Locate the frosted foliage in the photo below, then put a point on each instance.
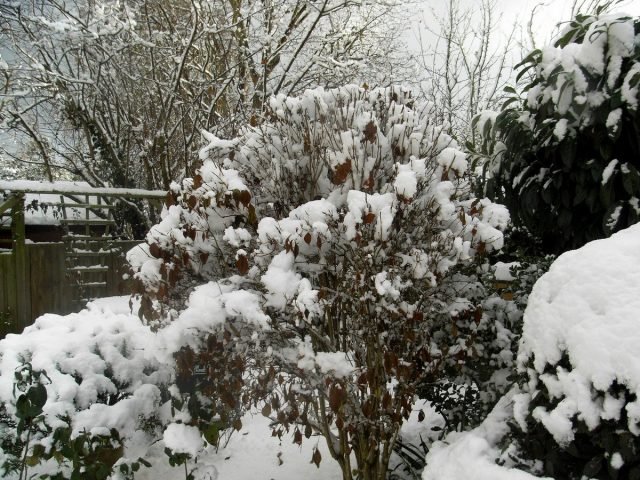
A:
(314, 140)
(609, 41)
(630, 86)
(586, 308)
(349, 155)
(608, 171)
(196, 229)
(101, 368)
(183, 439)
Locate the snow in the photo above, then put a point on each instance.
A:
(210, 306)
(335, 363)
(586, 307)
(616, 461)
(473, 454)
(608, 171)
(215, 143)
(252, 452)
(382, 206)
(560, 130)
(613, 119)
(495, 215)
(406, 183)
(591, 74)
(40, 211)
(78, 349)
(88, 354)
(80, 188)
(42, 195)
(453, 159)
(237, 237)
(281, 280)
(385, 286)
(629, 92)
(503, 271)
(182, 438)
(282, 261)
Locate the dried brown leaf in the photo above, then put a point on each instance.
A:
(370, 132)
(369, 218)
(242, 264)
(316, 458)
(341, 173)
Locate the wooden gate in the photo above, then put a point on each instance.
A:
(38, 278)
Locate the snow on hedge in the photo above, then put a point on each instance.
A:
(584, 311)
(90, 357)
(609, 41)
(586, 307)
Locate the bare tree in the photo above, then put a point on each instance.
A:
(117, 93)
(467, 64)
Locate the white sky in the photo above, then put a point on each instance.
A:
(513, 12)
(549, 14)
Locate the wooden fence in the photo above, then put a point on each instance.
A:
(38, 278)
(45, 287)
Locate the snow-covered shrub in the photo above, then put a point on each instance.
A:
(325, 143)
(76, 392)
(330, 289)
(488, 315)
(567, 157)
(188, 245)
(578, 411)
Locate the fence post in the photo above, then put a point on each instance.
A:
(23, 303)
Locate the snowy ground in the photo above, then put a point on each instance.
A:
(251, 453)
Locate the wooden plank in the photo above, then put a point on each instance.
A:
(91, 285)
(86, 221)
(49, 288)
(23, 313)
(102, 253)
(118, 266)
(90, 269)
(8, 204)
(8, 304)
(86, 238)
(51, 291)
(90, 206)
(3, 284)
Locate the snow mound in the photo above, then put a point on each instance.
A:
(473, 454)
(586, 308)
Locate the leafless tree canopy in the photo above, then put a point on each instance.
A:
(117, 93)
